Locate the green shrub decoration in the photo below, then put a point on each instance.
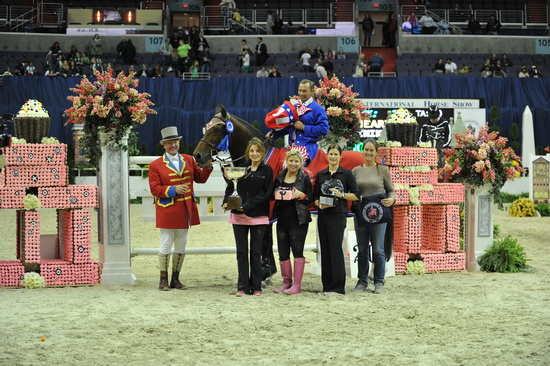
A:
(543, 209)
(496, 230)
(510, 197)
(506, 255)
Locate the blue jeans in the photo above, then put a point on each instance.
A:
(373, 233)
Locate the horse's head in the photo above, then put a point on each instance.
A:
(214, 132)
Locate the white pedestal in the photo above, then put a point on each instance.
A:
(478, 223)
(114, 215)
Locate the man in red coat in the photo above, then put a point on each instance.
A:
(171, 180)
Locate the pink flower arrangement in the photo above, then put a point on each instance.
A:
(481, 160)
(344, 111)
(109, 103)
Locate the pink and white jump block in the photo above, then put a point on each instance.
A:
(430, 230)
(69, 261)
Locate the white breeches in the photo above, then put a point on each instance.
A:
(177, 237)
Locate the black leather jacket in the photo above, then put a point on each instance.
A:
(302, 184)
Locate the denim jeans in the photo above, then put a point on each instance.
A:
(373, 233)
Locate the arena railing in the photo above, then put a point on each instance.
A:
(188, 76)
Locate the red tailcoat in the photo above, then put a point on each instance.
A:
(175, 211)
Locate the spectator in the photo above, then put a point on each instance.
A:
(473, 25)
(72, 53)
(20, 68)
(506, 63)
(498, 72)
(194, 69)
(319, 69)
(341, 55)
(205, 59)
(65, 70)
(129, 53)
(47, 63)
(7, 71)
(237, 17)
(229, 3)
(200, 43)
(269, 22)
(58, 64)
(262, 73)
(131, 70)
(450, 66)
(194, 34)
(143, 72)
(158, 72)
(76, 70)
(246, 61)
(329, 67)
(428, 24)
(413, 20)
(96, 49)
(121, 46)
(96, 65)
(30, 69)
(439, 66)
(368, 30)
(493, 59)
(487, 63)
(392, 29)
(287, 28)
(166, 51)
(277, 24)
(330, 55)
(274, 73)
(360, 66)
(535, 73)
(376, 63)
(261, 52)
(523, 72)
(305, 58)
(183, 54)
(318, 53)
(302, 51)
(493, 26)
(55, 50)
(78, 60)
(50, 72)
(487, 72)
(85, 58)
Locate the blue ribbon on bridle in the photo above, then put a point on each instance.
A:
(224, 144)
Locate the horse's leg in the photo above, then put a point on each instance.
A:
(269, 268)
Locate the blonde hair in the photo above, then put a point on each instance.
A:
(254, 142)
(310, 83)
(294, 153)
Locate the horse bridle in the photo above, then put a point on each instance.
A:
(220, 121)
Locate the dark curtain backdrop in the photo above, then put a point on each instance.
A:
(190, 104)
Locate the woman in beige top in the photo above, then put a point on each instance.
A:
(372, 179)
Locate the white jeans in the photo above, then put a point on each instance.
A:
(177, 237)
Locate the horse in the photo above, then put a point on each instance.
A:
(227, 131)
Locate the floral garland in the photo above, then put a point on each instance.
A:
(416, 267)
(31, 202)
(33, 280)
(49, 140)
(111, 104)
(344, 111)
(480, 160)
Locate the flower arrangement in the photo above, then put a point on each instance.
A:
(481, 160)
(522, 207)
(416, 267)
(110, 104)
(344, 111)
(33, 280)
(31, 202)
(49, 140)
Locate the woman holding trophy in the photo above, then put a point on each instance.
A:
(248, 201)
(293, 193)
(334, 186)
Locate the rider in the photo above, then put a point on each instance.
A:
(312, 123)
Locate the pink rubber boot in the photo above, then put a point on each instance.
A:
(286, 272)
(299, 264)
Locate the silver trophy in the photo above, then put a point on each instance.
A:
(235, 174)
(327, 194)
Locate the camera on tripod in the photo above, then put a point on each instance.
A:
(5, 138)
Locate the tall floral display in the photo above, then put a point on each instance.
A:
(109, 104)
(480, 160)
(344, 111)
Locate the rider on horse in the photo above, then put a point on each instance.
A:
(312, 122)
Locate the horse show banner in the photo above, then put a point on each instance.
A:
(471, 111)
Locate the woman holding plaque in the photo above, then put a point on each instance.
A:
(293, 193)
(255, 189)
(374, 182)
(334, 186)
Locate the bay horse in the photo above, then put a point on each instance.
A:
(218, 133)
